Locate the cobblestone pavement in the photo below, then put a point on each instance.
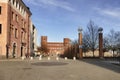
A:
(17, 69)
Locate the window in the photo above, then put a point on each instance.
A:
(21, 36)
(16, 17)
(11, 30)
(0, 28)
(16, 33)
(25, 36)
(0, 10)
(23, 23)
(13, 17)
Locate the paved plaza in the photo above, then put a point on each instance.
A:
(86, 69)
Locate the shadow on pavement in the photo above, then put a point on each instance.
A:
(49, 64)
(103, 64)
(1, 75)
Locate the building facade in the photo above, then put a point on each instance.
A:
(33, 39)
(55, 47)
(14, 28)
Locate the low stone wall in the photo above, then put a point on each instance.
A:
(96, 54)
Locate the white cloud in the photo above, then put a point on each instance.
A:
(110, 12)
(53, 3)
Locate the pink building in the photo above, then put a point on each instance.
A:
(55, 47)
(14, 28)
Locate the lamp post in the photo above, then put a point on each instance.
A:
(80, 42)
(100, 42)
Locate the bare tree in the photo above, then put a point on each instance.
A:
(91, 36)
(118, 39)
(114, 40)
(43, 49)
(85, 46)
(72, 50)
(105, 44)
(75, 46)
(118, 44)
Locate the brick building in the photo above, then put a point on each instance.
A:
(55, 47)
(14, 28)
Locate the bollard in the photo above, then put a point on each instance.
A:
(57, 58)
(31, 58)
(23, 57)
(65, 58)
(74, 58)
(40, 58)
(48, 58)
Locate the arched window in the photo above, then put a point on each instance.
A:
(14, 50)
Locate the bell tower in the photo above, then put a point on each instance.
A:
(44, 40)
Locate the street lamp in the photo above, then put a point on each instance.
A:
(100, 42)
(80, 42)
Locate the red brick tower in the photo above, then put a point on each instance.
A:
(43, 40)
(66, 43)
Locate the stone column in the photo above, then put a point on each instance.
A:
(100, 42)
(80, 43)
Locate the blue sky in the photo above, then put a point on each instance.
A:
(58, 19)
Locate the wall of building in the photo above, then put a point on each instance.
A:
(33, 39)
(55, 47)
(3, 22)
(15, 19)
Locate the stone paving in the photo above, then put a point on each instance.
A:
(87, 69)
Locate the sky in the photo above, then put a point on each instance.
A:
(60, 19)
